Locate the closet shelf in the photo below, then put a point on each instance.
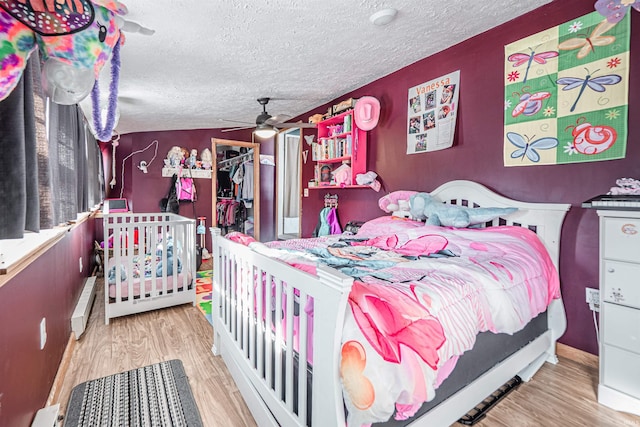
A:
(228, 163)
(193, 173)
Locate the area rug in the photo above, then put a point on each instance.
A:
(155, 395)
(204, 282)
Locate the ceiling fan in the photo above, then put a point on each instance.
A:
(267, 125)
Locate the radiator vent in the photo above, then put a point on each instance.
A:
(83, 309)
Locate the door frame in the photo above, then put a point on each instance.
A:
(281, 139)
(256, 180)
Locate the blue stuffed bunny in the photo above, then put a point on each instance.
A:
(437, 213)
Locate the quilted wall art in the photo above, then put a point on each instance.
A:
(566, 93)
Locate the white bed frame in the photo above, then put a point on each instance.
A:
(153, 231)
(240, 337)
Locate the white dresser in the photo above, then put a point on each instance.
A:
(619, 386)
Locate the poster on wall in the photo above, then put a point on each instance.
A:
(566, 93)
(431, 114)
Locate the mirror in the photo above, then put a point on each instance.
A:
(289, 183)
(245, 209)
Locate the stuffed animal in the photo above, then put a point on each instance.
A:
(342, 175)
(75, 40)
(369, 179)
(626, 186)
(390, 202)
(206, 159)
(175, 157)
(437, 213)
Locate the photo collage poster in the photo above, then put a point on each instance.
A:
(431, 114)
(566, 93)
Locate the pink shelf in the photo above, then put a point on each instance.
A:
(335, 159)
(336, 187)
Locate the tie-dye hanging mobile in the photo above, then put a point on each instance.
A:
(566, 93)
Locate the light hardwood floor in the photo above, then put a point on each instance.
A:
(559, 395)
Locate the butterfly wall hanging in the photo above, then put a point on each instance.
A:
(576, 94)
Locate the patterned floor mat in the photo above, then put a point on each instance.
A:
(204, 284)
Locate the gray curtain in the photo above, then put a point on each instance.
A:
(48, 175)
(291, 208)
(18, 161)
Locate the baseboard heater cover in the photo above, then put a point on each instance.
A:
(83, 308)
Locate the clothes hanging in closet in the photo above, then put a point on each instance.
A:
(243, 177)
(231, 215)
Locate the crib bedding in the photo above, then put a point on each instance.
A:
(148, 283)
(421, 295)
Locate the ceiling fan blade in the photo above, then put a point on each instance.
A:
(278, 118)
(294, 125)
(234, 129)
(236, 121)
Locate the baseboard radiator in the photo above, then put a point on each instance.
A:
(83, 308)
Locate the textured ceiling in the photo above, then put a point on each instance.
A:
(209, 60)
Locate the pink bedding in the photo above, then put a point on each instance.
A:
(420, 296)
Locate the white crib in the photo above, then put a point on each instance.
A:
(142, 252)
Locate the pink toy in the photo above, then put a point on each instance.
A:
(626, 186)
(391, 202)
(75, 40)
(342, 175)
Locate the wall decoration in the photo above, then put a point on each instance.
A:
(431, 114)
(614, 10)
(566, 93)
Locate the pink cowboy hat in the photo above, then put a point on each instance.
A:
(367, 112)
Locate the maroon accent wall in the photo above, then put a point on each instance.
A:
(477, 152)
(49, 288)
(144, 191)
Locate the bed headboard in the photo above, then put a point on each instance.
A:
(545, 219)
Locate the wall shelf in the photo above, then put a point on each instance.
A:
(339, 141)
(336, 187)
(193, 173)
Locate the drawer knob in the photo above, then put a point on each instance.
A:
(611, 270)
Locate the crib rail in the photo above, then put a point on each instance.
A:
(269, 323)
(150, 262)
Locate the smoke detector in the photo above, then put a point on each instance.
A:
(383, 17)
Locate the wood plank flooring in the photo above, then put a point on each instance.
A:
(559, 395)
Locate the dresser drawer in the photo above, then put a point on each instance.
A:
(621, 283)
(622, 239)
(621, 327)
(620, 370)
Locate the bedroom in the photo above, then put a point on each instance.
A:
(476, 155)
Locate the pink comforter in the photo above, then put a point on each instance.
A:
(411, 315)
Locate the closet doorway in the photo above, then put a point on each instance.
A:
(236, 208)
(289, 179)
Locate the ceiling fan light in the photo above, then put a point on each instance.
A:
(264, 131)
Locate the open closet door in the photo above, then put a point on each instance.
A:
(235, 188)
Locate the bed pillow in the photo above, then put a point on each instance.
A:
(387, 225)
